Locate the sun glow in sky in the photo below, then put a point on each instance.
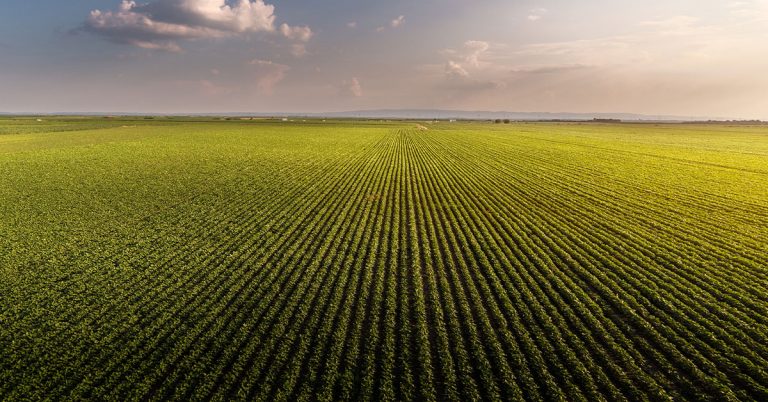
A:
(695, 58)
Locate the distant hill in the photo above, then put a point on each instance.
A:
(492, 115)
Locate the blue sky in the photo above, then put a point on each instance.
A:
(702, 58)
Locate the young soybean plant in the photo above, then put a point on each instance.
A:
(177, 259)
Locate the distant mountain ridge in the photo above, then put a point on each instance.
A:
(492, 115)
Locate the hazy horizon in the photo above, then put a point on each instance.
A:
(690, 58)
(388, 113)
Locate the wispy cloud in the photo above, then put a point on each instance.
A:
(454, 69)
(467, 57)
(537, 14)
(397, 22)
(549, 69)
(351, 88)
(677, 40)
(475, 48)
(211, 88)
(300, 35)
(464, 72)
(755, 10)
(268, 74)
(297, 33)
(393, 24)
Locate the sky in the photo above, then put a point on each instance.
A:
(705, 58)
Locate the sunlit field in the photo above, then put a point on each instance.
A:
(193, 258)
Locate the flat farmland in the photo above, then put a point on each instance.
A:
(197, 259)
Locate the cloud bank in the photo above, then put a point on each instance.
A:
(160, 24)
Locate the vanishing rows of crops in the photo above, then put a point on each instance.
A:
(384, 262)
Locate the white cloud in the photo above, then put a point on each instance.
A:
(297, 33)
(268, 74)
(134, 28)
(160, 23)
(469, 56)
(537, 14)
(232, 16)
(453, 69)
(352, 88)
(352, 24)
(298, 49)
(467, 75)
(394, 24)
(475, 49)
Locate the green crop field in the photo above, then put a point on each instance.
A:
(196, 259)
